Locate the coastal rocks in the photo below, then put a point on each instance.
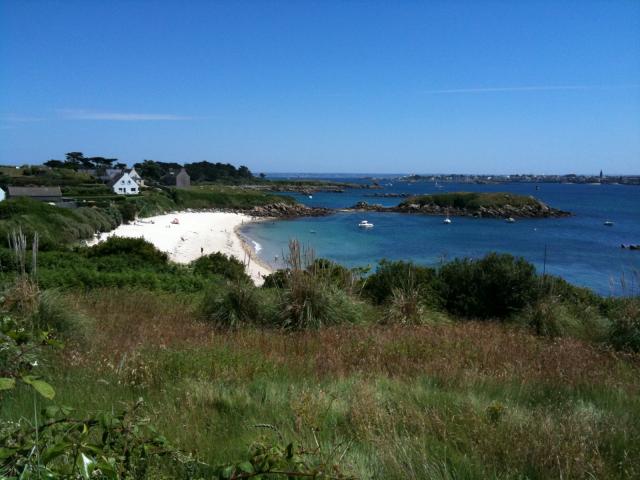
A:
(389, 195)
(287, 210)
(536, 210)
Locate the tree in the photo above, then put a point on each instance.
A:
(74, 159)
(55, 164)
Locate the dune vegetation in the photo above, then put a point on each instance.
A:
(146, 369)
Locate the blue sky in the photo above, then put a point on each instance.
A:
(478, 86)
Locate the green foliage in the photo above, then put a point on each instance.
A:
(472, 200)
(135, 250)
(128, 211)
(217, 172)
(107, 446)
(56, 226)
(290, 462)
(221, 197)
(335, 274)
(21, 347)
(391, 275)
(221, 264)
(625, 325)
(308, 301)
(53, 313)
(240, 304)
(555, 317)
(495, 286)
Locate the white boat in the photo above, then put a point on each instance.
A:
(608, 223)
(365, 224)
(447, 221)
(310, 196)
(510, 220)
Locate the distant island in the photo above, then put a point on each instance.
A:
(518, 178)
(471, 204)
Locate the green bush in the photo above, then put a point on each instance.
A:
(132, 248)
(277, 279)
(308, 301)
(128, 210)
(391, 275)
(495, 286)
(240, 304)
(220, 264)
(56, 226)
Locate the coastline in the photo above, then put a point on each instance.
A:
(196, 234)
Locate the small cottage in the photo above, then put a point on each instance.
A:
(44, 194)
(123, 184)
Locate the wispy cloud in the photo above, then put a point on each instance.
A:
(120, 116)
(528, 88)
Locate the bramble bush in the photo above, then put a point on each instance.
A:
(495, 286)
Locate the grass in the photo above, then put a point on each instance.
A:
(56, 226)
(453, 400)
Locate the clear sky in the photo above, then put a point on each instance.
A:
(345, 86)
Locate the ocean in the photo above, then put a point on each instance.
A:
(580, 248)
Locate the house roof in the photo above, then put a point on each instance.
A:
(115, 179)
(34, 191)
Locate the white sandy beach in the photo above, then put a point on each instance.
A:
(196, 234)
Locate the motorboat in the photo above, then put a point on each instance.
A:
(447, 221)
(608, 223)
(510, 220)
(365, 224)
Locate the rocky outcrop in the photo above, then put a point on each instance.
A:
(535, 210)
(388, 195)
(287, 210)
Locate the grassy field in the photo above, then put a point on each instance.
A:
(442, 401)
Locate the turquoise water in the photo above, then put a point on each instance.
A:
(579, 248)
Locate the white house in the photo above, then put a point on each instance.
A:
(135, 176)
(123, 184)
(2, 195)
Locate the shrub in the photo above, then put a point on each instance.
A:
(405, 306)
(497, 286)
(221, 264)
(133, 248)
(240, 305)
(625, 327)
(277, 279)
(128, 210)
(391, 275)
(553, 317)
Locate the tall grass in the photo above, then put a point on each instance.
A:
(470, 400)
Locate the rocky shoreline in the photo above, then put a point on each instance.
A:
(539, 210)
(287, 210)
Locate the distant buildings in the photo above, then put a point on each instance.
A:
(2, 195)
(44, 194)
(180, 180)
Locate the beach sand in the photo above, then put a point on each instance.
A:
(196, 234)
